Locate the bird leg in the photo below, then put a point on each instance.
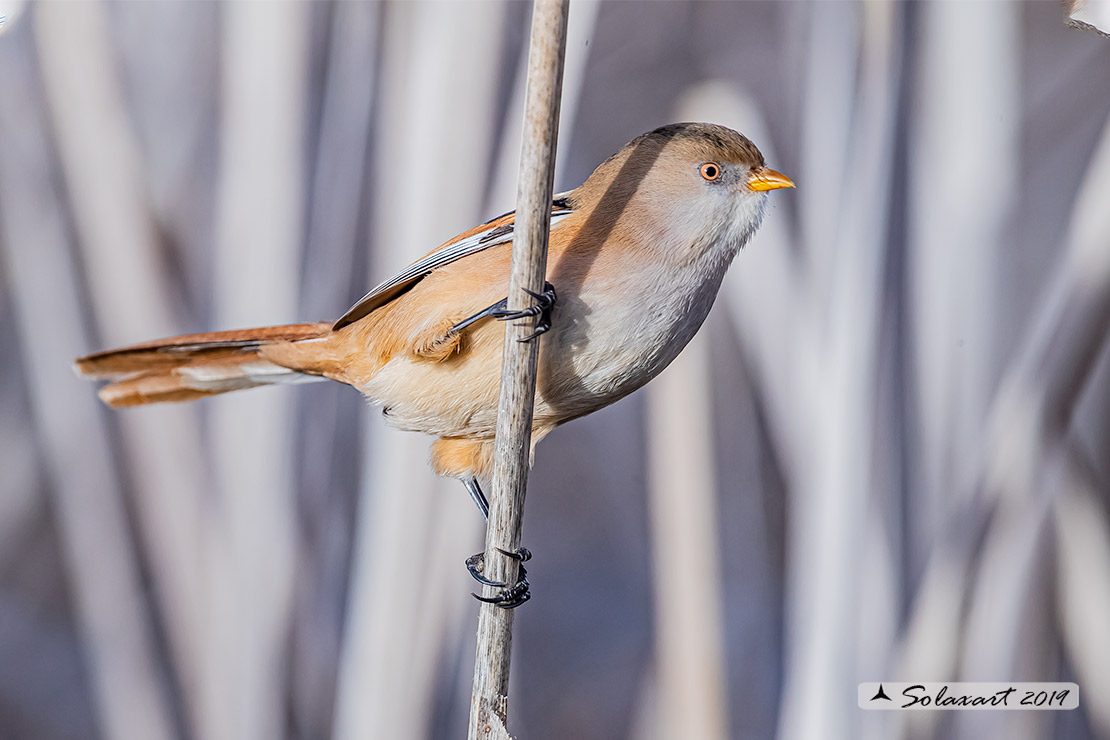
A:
(545, 302)
(477, 496)
(509, 597)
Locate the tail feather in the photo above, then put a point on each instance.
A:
(158, 386)
(180, 350)
(193, 366)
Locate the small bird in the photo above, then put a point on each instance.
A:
(635, 259)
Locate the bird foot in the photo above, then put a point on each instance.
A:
(509, 597)
(545, 302)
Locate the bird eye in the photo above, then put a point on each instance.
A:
(710, 171)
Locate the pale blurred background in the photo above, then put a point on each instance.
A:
(885, 457)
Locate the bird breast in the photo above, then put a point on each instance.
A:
(621, 330)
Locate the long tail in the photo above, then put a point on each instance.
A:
(194, 366)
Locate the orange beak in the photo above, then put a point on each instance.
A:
(765, 178)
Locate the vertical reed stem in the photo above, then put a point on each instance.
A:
(519, 361)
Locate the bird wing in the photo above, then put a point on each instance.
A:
(490, 234)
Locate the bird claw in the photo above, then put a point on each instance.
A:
(545, 302)
(522, 554)
(509, 597)
(476, 564)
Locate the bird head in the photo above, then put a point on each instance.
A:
(683, 188)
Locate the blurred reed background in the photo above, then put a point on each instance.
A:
(886, 456)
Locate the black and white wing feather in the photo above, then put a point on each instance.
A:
(495, 232)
